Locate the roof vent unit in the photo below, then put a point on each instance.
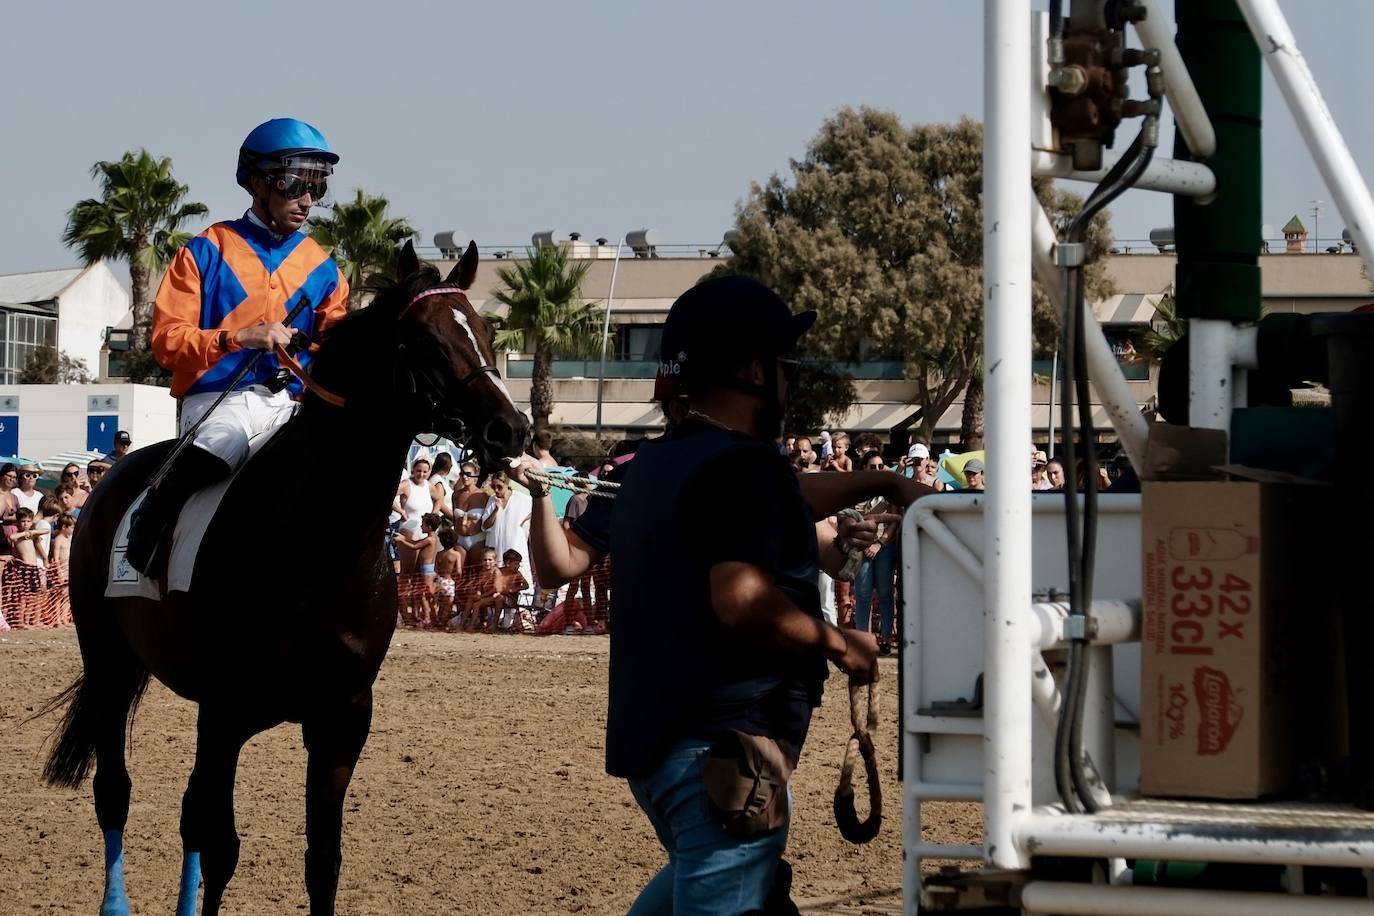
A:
(546, 237)
(1163, 239)
(643, 242)
(451, 243)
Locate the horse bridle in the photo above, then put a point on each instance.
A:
(446, 421)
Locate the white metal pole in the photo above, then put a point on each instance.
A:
(1156, 31)
(1210, 397)
(1054, 389)
(1318, 128)
(1007, 362)
(1111, 386)
(1171, 176)
(605, 336)
(1067, 899)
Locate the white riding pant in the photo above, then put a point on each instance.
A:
(243, 415)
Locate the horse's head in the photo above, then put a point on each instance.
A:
(433, 362)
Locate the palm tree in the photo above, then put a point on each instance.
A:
(363, 240)
(546, 317)
(136, 220)
(1166, 330)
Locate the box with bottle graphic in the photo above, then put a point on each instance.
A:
(1234, 637)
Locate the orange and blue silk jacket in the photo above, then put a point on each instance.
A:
(234, 275)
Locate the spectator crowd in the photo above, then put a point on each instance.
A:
(459, 538)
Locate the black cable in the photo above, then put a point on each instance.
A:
(1071, 777)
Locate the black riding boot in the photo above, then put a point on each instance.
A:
(194, 469)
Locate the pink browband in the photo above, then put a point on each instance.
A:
(436, 291)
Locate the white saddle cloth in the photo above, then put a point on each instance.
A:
(126, 582)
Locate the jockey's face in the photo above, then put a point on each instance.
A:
(284, 214)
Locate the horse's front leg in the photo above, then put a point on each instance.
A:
(334, 737)
(210, 842)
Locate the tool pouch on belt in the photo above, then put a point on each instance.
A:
(746, 783)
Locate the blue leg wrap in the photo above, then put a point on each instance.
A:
(115, 902)
(190, 884)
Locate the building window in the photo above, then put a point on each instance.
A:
(638, 342)
(20, 336)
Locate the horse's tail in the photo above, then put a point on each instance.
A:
(88, 704)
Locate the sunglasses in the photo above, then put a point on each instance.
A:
(94, 472)
(290, 185)
(466, 474)
(30, 474)
(791, 368)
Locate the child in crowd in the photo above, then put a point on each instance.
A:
(510, 582)
(481, 593)
(448, 567)
(45, 520)
(23, 582)
(57, 565)
(417, 570)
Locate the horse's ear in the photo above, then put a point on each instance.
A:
(408, 263)
(465, 271)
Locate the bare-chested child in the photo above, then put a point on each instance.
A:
(510, 582)
(481, 592)
(23, 579)
(417, 570)
(448, 567)
(58, 552)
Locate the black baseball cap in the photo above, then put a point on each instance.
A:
(720, 322)
(123, 438)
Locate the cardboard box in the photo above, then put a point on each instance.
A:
(1229, 644)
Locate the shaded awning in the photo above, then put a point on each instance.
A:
(883, 417)
(1127, 308)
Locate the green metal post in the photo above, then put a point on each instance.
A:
(1218, 243)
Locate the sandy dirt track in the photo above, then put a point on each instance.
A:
(481, 790)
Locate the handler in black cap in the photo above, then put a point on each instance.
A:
(718, 646)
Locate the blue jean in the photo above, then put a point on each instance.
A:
(709, 872)
(876, 573)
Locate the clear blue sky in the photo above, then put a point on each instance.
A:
(501, 119)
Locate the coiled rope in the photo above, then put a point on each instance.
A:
(863, 714)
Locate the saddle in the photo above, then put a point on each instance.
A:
(192, 522)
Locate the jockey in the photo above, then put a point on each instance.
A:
(224, 296)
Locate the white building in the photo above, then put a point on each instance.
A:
(70, 309)
(39, 421)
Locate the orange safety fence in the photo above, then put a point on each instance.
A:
(478, 600)
(33, 597)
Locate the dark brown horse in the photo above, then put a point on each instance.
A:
(298, 542)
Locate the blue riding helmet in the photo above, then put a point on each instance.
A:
(275, 143)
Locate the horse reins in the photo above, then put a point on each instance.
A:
(329, 397)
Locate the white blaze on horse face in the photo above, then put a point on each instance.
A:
(462, 320)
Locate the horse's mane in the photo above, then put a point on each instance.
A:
(389, 296)
(357, 340)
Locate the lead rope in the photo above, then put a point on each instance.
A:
(589, 486)
(863, 714)
(861, 740)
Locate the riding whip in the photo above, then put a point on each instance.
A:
(190, 434)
